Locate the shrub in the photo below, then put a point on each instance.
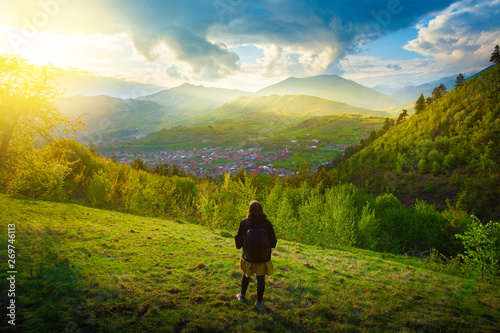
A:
(368, 229)
(40, 174)
(340, 215)
(100, 190)
(482, 251)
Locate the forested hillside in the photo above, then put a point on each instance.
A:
(449, 148)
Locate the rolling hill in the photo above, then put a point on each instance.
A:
(333, 126)
(451, 147)
(255, 132)
(224, 133)
(281, 110)
(190, 101)
(112, 119)
(331, 87)
(252, 122)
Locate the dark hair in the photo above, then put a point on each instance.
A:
(255, 208)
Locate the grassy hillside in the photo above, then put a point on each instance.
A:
(264, 132)
(88, 270)
(334, 126)
(331, 87)
(224, 133)
(450, 147)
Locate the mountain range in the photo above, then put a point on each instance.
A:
(411, 93)
(110, 119)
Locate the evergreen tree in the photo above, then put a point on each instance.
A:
(428, 101)
(460, 80)
(139, 164)
(402, 117)
(436, 94)
(420, 104)
(162, 169)
(442, 89)
(439, 92)
(495, 56)
(388, 124)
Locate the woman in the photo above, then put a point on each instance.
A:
(254, 226)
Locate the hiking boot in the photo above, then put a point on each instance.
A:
(241, 297)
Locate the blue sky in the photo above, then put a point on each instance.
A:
(251, 44)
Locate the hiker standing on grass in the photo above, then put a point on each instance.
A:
(256, 236)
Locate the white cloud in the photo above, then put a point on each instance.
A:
(274, 62)
(462, 37)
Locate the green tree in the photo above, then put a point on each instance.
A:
(481, 250)
(439, 92)
(28, 114)
(139, 164)
(495, 56)
(162, 169)
(460, 80)
(388, 124)
(420, 104)
(402, 117)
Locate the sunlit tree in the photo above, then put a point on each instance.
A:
(29, 117)
(420, 104)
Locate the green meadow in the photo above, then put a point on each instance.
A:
(81, 269)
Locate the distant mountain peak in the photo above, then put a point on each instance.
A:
(332, 87)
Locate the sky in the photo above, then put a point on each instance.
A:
(249, 45)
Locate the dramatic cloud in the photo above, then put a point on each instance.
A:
(461, 37)
(299, 36)
(307, 36)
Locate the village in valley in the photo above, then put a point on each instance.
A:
(216, 161)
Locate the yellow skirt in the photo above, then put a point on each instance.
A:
(265, 268)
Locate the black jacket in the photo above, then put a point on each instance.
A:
(259, 220)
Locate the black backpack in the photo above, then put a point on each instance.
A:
(256, 248)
